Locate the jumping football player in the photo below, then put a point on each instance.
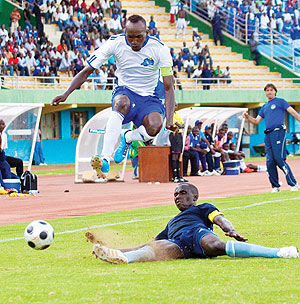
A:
(140, 59)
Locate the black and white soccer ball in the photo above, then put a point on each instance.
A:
(39, 235)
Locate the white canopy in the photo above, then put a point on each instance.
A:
(90, 140)
(22, 122)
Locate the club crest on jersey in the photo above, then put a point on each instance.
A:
(147, 62)
(273, 107)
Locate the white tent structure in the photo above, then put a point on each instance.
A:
(90, 140)
(22, 123)
(90, 143)
(216, 116)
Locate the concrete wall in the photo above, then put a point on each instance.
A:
(63, 150)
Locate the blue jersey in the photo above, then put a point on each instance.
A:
(195, 140)
(274, 112)
(188, 220)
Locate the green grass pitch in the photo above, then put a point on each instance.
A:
(67, 272)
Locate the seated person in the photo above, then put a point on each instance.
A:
(199, 148)
(188, 156)
(225, 155)
(12, 161)
(210, 155)
(229, 137)
(4, 167)
(220, 139)
(239, 155)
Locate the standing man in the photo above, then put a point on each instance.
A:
(139, 60)
(181, 21)
(273, 112)
(216, 23)
(175, 138)
(254, 50)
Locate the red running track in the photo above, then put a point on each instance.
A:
(83, 199)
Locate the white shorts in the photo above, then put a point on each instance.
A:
(181, 23)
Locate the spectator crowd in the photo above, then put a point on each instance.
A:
(26, 52)
(246, 17)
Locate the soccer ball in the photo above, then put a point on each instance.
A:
(39, 235)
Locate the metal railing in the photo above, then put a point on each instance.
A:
(30, 82)
(52, 82)
(277, 45)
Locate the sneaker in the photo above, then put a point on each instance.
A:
(113, 256)
(101, 166)
(275, 189)
(122, 149)
(294, 188)
(176, 180)
(183, 180)
(214, 172)
(288, 252)
(248, 170)
(199, 173)
(207, 173)
(135, 177)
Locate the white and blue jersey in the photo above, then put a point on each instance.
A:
(137, 71)
(274, 112)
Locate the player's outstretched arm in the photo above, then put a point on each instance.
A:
(253, 120)
(169, 101)
(294, 113)
(78, 80)
(228, 228)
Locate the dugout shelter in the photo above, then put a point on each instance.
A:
(90, 140)
(22, 124)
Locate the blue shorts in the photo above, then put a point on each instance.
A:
(190, 243)
(140, 106)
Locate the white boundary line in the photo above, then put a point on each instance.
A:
(153, 219)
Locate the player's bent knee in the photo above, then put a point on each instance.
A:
(121, 104)
(213, 246)
(166, 250)
(153, 123)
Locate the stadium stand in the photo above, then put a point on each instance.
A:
(243, 73)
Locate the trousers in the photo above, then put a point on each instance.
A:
(275, 142)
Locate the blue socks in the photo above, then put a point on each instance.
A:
(246, 250)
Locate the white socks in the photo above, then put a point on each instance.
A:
(261, 168)
(143, 254)
(112, 133)
(242, 164)
(138, 134)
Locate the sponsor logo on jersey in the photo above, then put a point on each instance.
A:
(273, 107)
(147, 62)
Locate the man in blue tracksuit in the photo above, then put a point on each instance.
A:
(274, 112)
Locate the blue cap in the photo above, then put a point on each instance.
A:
(207, 127)
(198, 121)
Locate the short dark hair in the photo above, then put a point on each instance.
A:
(193, 189)
(136, 19)
(270, 85)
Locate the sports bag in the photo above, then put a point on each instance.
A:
(28, 181)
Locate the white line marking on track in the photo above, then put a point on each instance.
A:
(153, 219)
